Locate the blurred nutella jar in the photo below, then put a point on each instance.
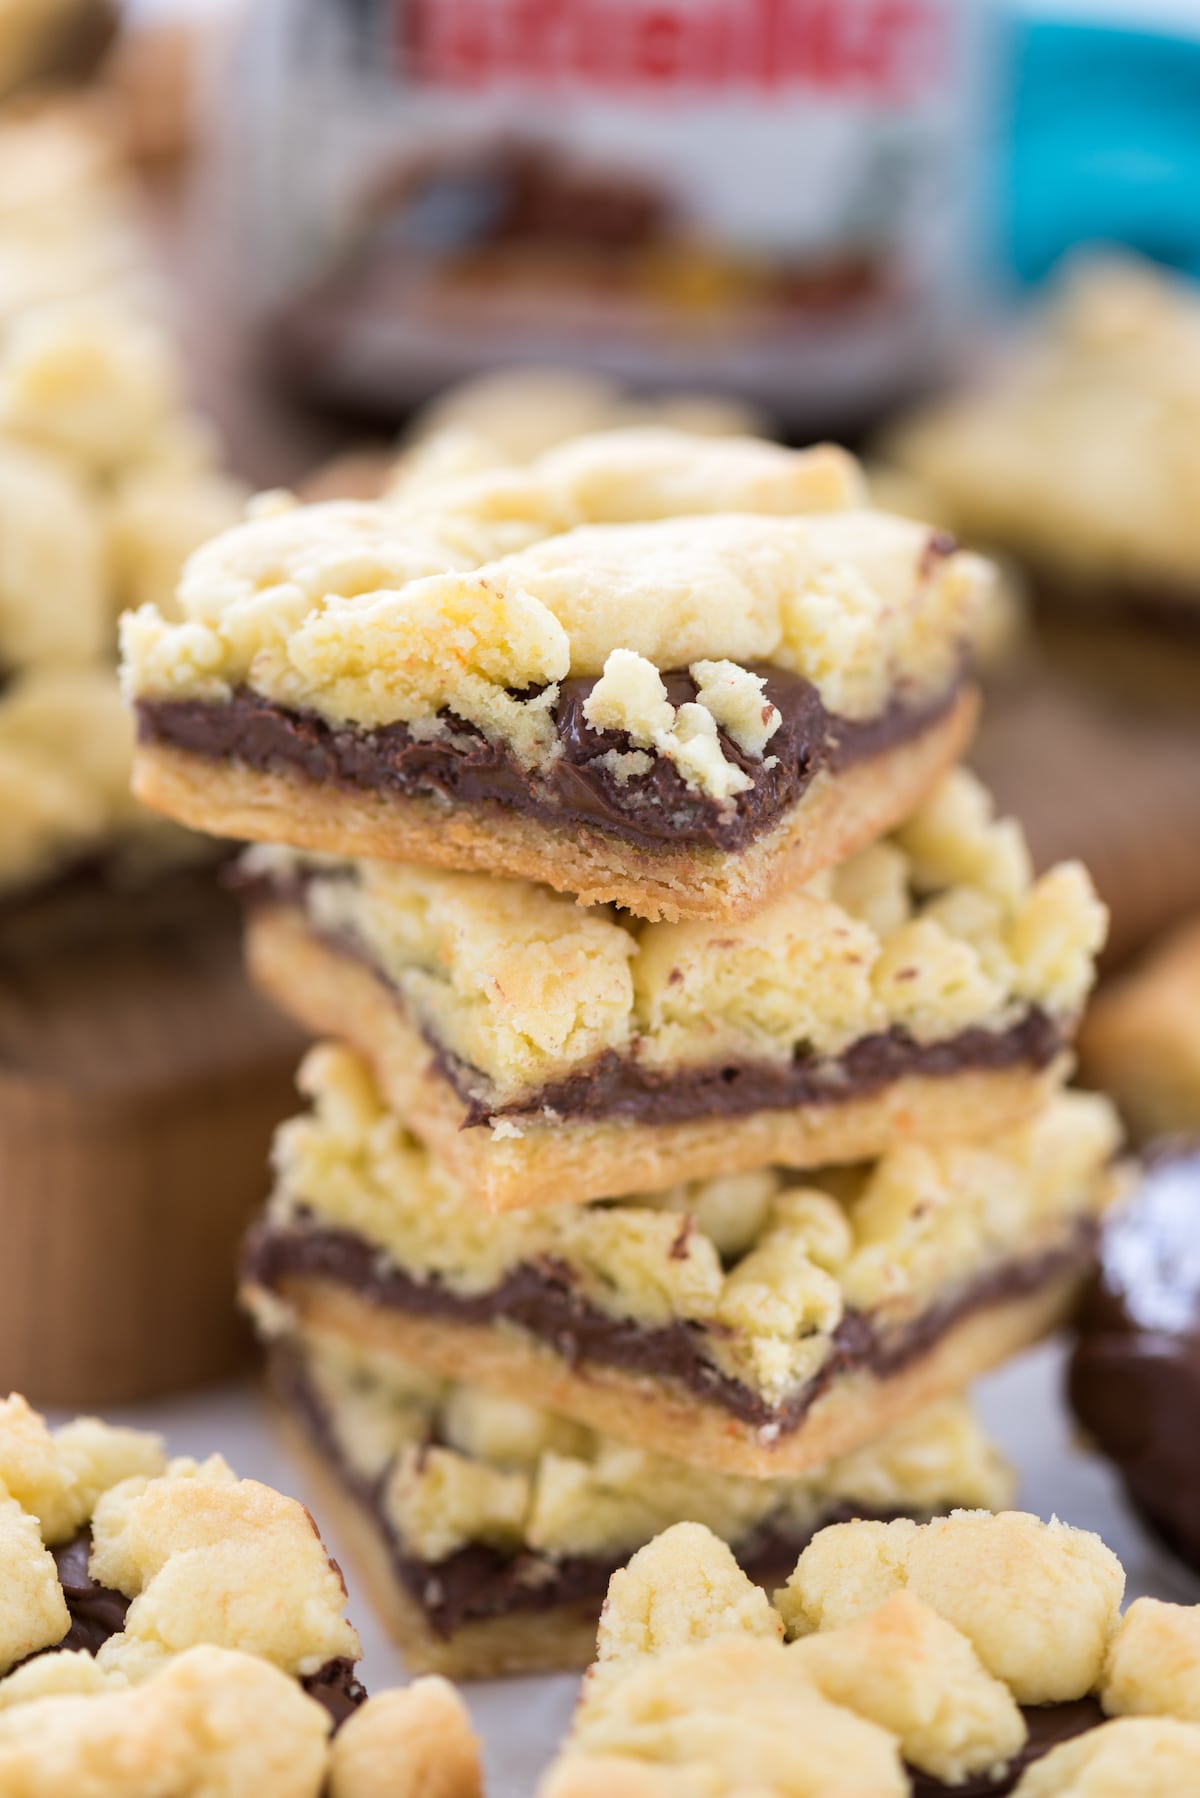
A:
(775, 197)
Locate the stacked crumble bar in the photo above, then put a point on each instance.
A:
(692, 1129)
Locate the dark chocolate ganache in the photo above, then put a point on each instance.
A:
(655, 809)
(478, 1581)
(542, 1298)
(98, 1612)
(1134, 1378)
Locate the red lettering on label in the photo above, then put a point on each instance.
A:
(884, 50)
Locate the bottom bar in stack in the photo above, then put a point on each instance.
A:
(488, 1529)
(761, 1324)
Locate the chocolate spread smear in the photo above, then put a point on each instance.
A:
(656, 809)
(541, 1297)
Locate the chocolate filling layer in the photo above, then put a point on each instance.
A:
(656, 809)
(621, 1086)
(540, 1297)
(98, 1612)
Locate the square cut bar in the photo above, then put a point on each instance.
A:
(749, 1324)
(926, 987)
(671, 673)
(487, 1529)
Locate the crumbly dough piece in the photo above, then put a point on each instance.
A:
(1153, 1666)
(934, 1633)
(778, 1736)
(1079, 456)
(222, 1724)
(415, 1743)
(207, 1557)
(90, 379)
(204, 1557)
(54, 601)
(907, 1669)
(211, 1721)
(517, 413)
(888, 1240)
(66, 747)
(939, 928)
(1141, 1039)
(1038, 1601)
(1130, 1758)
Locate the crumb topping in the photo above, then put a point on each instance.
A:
(466, 593)
(939, 928)
(932, 1634)
(206, 1558)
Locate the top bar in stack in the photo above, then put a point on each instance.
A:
(675, 674)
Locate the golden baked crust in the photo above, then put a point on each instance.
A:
(835, 816)
(933, 1634)
(1141, 1039)
(653, 1413)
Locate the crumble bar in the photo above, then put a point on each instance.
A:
(674, 673)
(1078, 457)
(756, 1323)
(487, 1528)
(166, 1628)
(973, 1654)
(1141, 1038)
(926, 987)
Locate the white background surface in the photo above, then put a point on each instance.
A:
(521, 1721)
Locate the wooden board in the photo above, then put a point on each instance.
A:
(140, 1079)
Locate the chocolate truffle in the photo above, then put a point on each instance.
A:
(1134, 1379)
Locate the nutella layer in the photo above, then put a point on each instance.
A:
(1134, 1378)
(595, 777)
(700, 672)
(490, 1528)
(974, 1654)
(751, 1323)
(928, 985)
